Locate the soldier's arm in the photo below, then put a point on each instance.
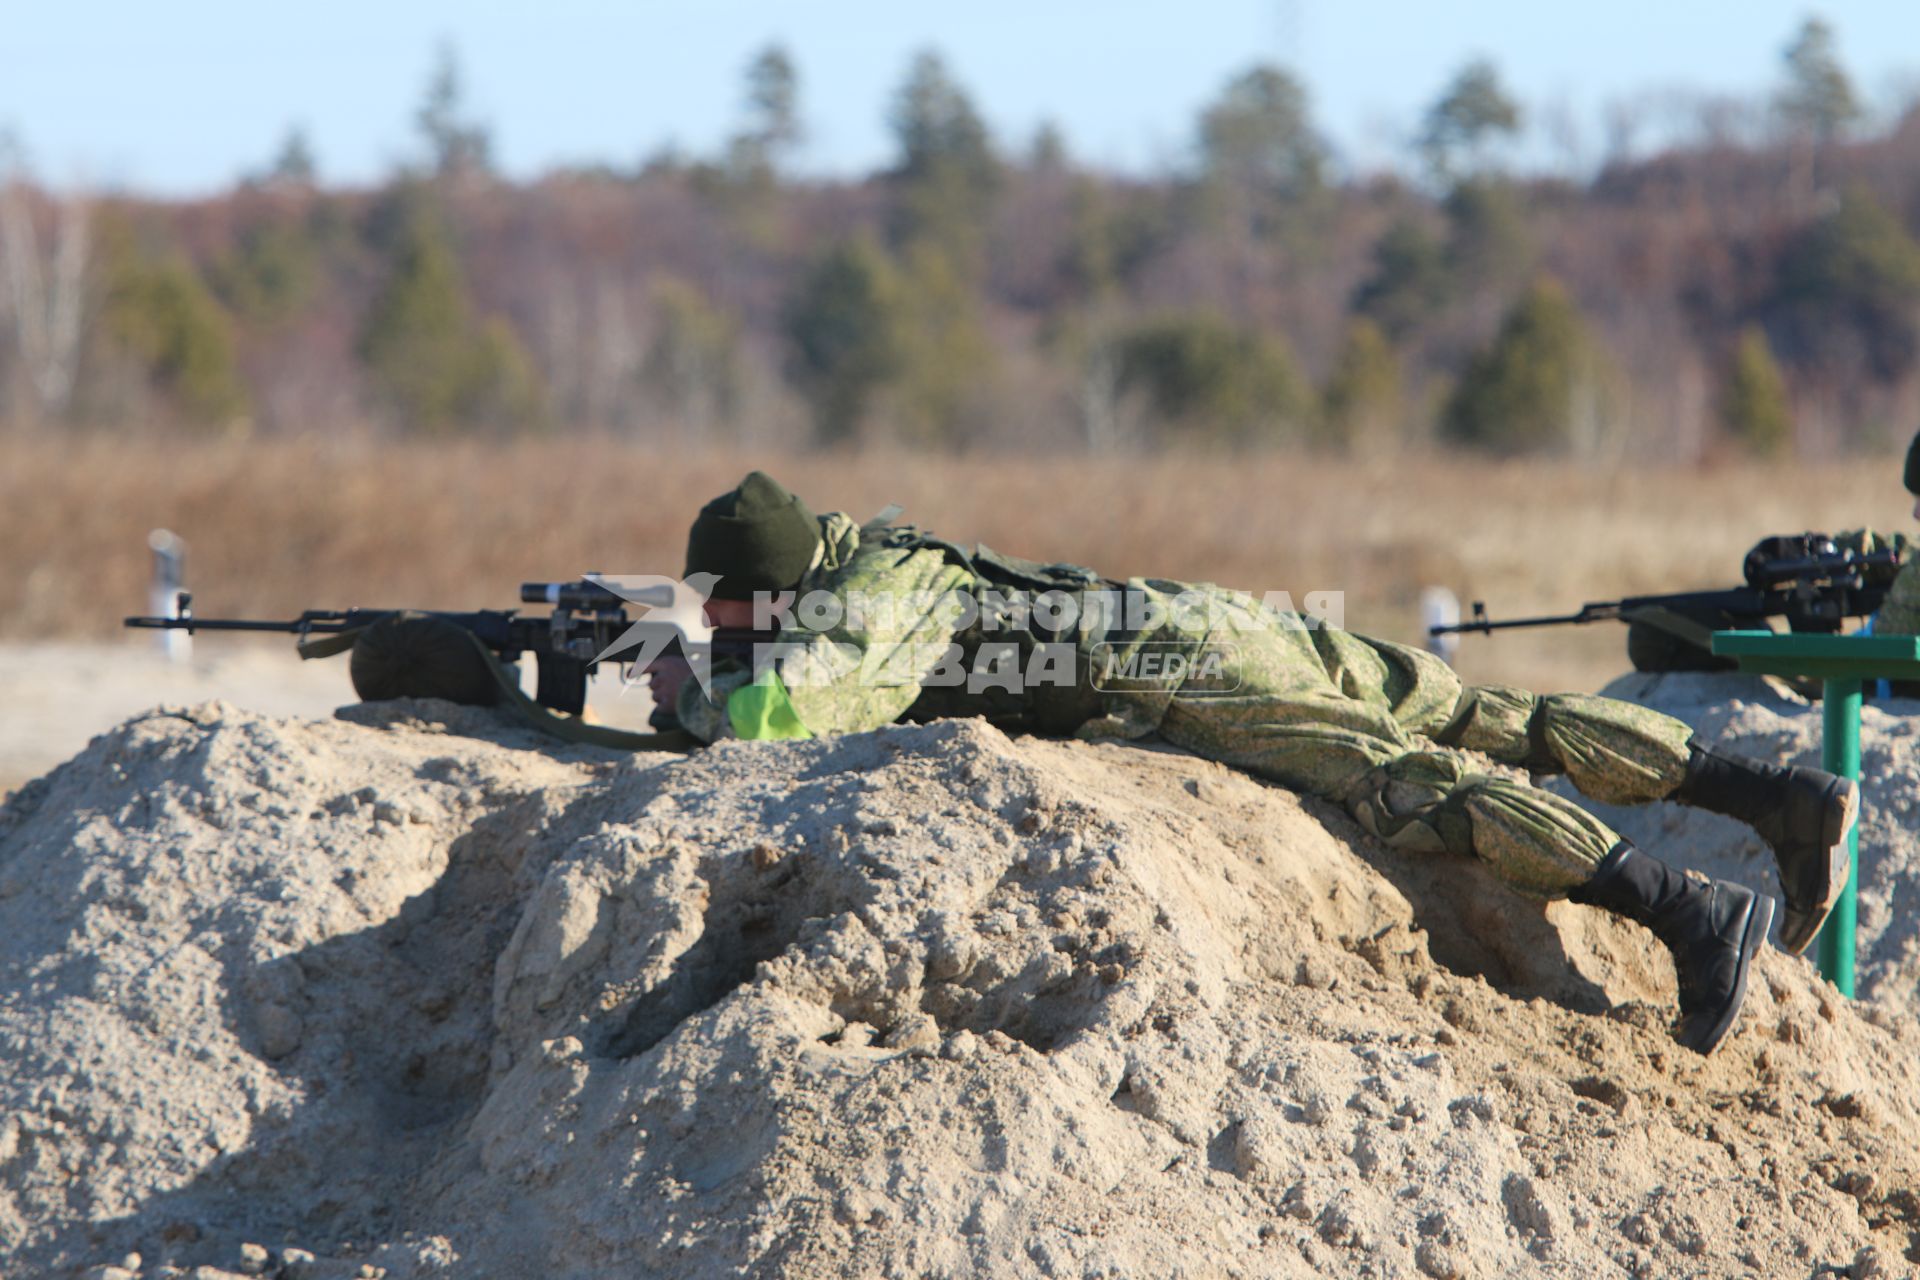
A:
(1864, 542)
(1900, 612)
(703, 713)
(895, 621)
(1417, 688)
(898, 619)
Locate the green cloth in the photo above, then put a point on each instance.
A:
(761, 710)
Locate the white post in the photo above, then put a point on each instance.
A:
(169, 580)
(1439, 607)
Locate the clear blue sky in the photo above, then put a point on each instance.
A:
(182, 97)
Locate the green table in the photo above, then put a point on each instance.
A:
(1844, 664)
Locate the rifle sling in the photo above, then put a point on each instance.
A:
(1696, 633)
(566, 728)
(325, 646)
(1673, 623)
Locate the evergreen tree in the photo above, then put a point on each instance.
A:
(842, 337)
(1754, 406)
(1362, 400)
(1090, 258)
(948, 175)
(417, 337)
(1488, 246)
(161, 313)
(746, 188)
(945, 360)
(1048, 153)
(294, 165)
(1208, 380)
(456, 146)
(773, 103)
(1530, 389)
(434, 361)
(1818, 99)
(1466, 120)
(1855, 271)
(692, 364)
(772, 128)
(1259, 137)
(271, 274)
(501, 387)
(1409, 282)
(1859, 255)
(937, 126)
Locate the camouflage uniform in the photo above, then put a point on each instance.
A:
(1899, 613)
(1379, 727)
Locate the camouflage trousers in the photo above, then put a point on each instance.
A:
(1386, 731)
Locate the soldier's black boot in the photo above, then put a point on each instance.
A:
(1712, 928)
(1804, 814)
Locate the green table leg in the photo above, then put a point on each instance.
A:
(1842, 756)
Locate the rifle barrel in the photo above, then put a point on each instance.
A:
(297, 626)
(1588, 613)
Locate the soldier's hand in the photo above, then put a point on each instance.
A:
(664, 678)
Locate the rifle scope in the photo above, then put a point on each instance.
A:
(586, 596)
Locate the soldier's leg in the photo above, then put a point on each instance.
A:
(1539, 843)
(1275, 715)
(1613, 751)
(1804, 814)
(1272, 706)
(1622, 753)
(1544, 845)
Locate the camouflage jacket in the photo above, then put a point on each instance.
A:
(893, 624)
(1899, 613)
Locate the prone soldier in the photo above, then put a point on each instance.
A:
(1388, 731)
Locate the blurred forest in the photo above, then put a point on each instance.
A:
(1749, 286)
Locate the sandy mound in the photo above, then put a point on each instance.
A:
(411, 991)
(59, 695)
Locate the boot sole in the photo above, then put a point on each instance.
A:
(1705, 1038)
(1799, 925)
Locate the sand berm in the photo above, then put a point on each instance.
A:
(412, 992)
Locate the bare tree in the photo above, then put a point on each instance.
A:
(42, 302)
(1561, 125)
(1098, 396)
(1626, 123)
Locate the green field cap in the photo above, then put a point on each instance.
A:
(756, 537)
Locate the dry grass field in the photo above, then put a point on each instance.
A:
(277, 527)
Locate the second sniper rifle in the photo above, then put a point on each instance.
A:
(1806, 579)
(587, 620)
